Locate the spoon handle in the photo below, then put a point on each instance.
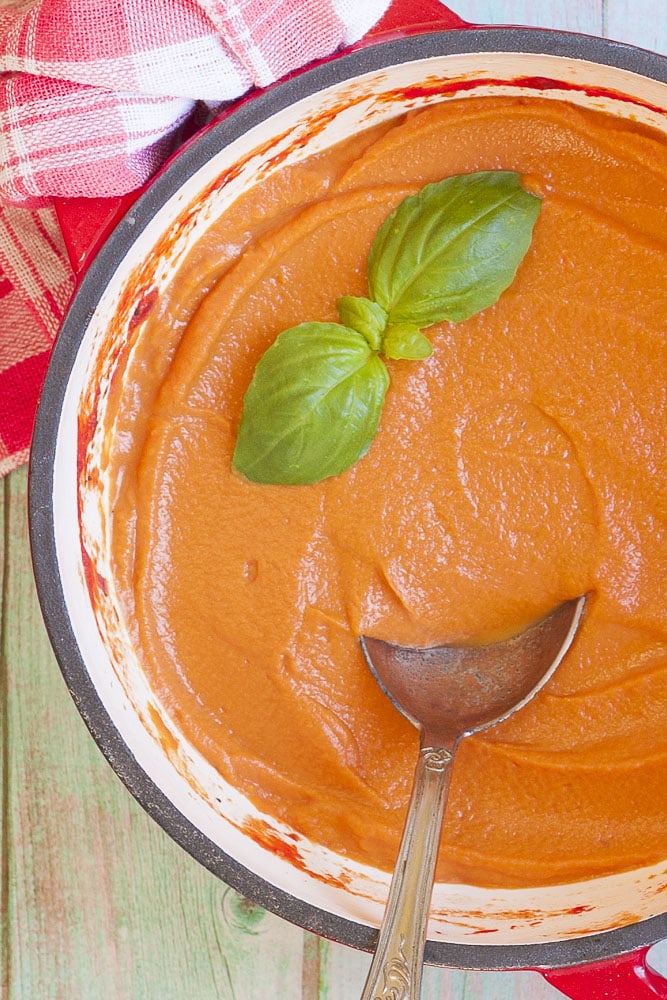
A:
(396, 969)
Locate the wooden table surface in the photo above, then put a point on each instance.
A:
(97, 902)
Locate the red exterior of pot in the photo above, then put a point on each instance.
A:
(627, 977)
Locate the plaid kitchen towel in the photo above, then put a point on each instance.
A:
(93, 94)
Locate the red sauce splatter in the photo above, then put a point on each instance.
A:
(167, 740)
(543, 83)
(88, 570)
(268, 838)
(86, 429)
(143, 307)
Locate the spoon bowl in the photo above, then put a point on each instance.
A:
(452, 691)
(448, 693)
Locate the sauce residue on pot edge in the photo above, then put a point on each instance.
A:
(522, 464)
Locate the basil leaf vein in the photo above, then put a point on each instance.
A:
(313, 406)
(450, 251)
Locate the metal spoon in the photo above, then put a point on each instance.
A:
(448, 692)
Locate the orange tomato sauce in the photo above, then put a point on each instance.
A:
(522, 464)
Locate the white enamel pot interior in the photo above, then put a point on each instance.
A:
(69, 500)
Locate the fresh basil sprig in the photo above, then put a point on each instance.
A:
(314, 404)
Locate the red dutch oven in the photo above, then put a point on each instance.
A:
(589, 939)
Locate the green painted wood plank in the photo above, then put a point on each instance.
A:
(642, 23)
(639, 22)
(584, 16)
(343, 972)
(100, 903)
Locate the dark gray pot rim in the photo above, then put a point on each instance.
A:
(41, 515)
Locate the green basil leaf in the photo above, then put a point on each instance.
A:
(449, 251)
(365, 316)
(405, 340)
(313, 406)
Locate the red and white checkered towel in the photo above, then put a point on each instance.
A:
(92, 97)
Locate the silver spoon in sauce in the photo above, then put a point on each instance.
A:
(448, 693)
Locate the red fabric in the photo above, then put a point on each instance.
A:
(92, 100)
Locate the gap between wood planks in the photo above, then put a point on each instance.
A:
(313, 960)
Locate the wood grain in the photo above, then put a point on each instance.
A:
(97, 903)
(639, 22)
(585, 16)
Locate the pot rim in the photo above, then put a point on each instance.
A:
(251, 110)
